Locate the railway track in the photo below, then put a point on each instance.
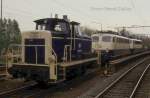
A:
(127, 84)
(14, 90)
(143, 87)
(35, 91)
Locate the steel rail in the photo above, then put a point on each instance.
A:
(139, 81)
(117, 80)
(16, 89)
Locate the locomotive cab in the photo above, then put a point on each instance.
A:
(59, 27)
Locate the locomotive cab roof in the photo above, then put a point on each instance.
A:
(74, 23)
(60, 27)
(111, 35)
(56, 25)
(49, 23)
(47, 20)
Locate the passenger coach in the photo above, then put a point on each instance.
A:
(136, 46)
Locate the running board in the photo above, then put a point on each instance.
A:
(72, 63)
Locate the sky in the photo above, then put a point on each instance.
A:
(91, 13)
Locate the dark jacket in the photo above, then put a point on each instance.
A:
(107, 56)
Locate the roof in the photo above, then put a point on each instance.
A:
(112, 35)
(54, 19)
(75, 23)
(49, 19)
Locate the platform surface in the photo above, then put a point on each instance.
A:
(128, 58)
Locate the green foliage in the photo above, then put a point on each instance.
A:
(9, 33)
(108, 32)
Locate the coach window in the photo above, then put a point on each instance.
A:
(106, 38)
(114, 39)
(117, 40)
(121, 40)
(138, 42)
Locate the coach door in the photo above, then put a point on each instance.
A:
(35, 51)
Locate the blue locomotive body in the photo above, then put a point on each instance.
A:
(69, 34)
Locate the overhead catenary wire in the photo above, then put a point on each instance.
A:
(80, 12)
(137, 13)
(86, 16)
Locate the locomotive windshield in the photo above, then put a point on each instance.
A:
(41, 27)
(95, 38)
(106, 38)
(58, 26)
(75, 27)
(77, 30)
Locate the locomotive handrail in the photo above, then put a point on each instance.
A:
(66, 53)
(18, 45)
(14, 55)
(55, 55)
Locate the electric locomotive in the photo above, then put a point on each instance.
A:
(117, 45)
(57, 49)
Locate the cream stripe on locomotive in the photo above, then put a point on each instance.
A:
(71, 38)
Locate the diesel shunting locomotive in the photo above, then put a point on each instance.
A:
(57, 49)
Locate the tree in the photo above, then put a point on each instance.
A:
(9, 33)
(88, 31)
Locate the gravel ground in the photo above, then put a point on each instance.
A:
(143, 90)
(104, 83)
(36, 92)
(8, 84)
(124, 87)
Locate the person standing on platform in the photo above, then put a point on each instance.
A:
(107, 57)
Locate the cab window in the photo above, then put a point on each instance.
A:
(60, 27)
(106, 38)
(95, 38)
(77, 30)
(41, 27)
(57, 26)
